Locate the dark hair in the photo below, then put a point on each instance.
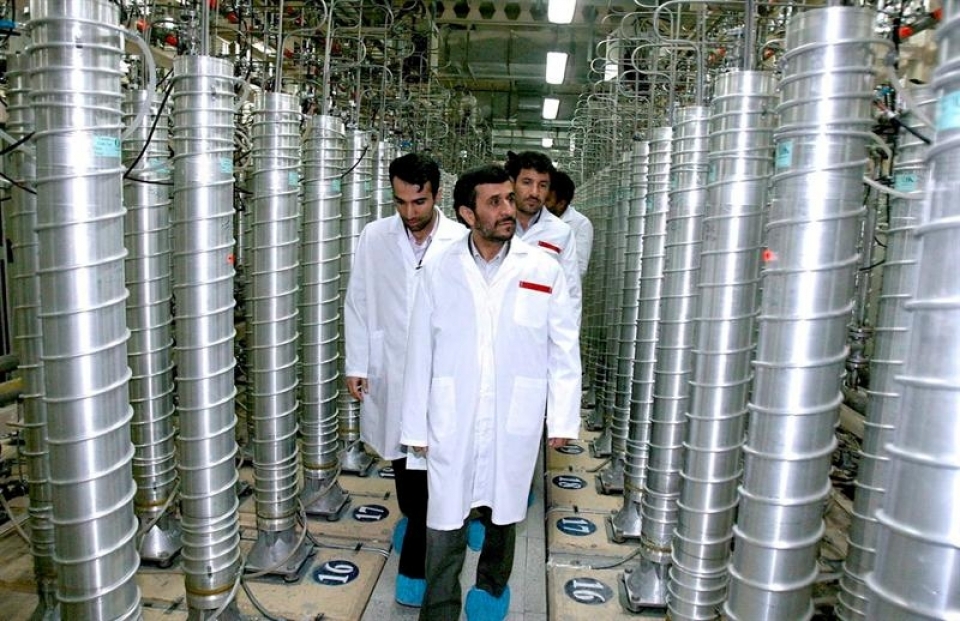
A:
(562, 186)
(465, 191)
(527, 159)
(417, 169)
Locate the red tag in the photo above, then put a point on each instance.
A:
(533, 286)
(549, 246)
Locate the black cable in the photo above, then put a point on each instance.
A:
(360, 159)
(16, 144)
(153, 128)
(870, 267)
(18, 184)
(148, 181)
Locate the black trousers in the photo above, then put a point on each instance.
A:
(446, 550)
(412, 498)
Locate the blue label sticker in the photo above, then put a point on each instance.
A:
(367, 187)
(370, 513)
(712, 173)
(293, 179)
(649, 203)
(570, 449)
(589, 591)
(159, 166)
(386, 472)
(576, 526)
(906, 182)
(335, 185)
(226, 165)
(336, 573)
(568, 481)
(784, 157)
(106, 146)
(948, 112)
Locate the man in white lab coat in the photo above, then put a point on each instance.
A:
(558, 202)
(531, 171)
(377, 312)
(492, 347)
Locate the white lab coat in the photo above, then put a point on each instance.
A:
(583, 233)
(484, 362)
(556, 238)
(377, 312)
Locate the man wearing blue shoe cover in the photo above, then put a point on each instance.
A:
(390, 253)
(492, 347)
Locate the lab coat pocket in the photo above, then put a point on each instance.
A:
(441, 411)
(528, 404)
(377, 344)
(530, 307)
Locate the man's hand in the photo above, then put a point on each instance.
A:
(357, 386)
(419, 451)
(557, 442)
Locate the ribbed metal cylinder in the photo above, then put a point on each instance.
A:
(615, 182)
(383, 190)
(146, 195)
(627, 521)
(355, 214)
(890, 350)
(674, 356)
(75, 93)
(635, 179)
(917, 568)
(810, 262)
(323, 166)
(20, 226)
(273, 338)
(739, 165)
(203, 277)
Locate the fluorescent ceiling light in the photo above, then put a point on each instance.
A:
(556, 67)
(561, 11)
(551, 105)
(546, 142)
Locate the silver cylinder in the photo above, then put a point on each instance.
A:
(75, 93)
(323, 165)
(20, 225)
(890, 349)
(627, 521)
(383, 189)
(146, 195)
(739, 166)
(272, 306)
(203, 277)
(915, 575)
(808, 285)
(355, 214)
(674, 356)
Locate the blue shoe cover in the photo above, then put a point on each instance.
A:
(475, 535)
(398, 533)
(410, 591)
(482, 606)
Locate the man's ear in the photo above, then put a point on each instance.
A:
(467, 215)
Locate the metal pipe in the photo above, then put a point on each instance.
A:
(20, 227)
(75, 75)
(810, 259)
(323, 165)
(273, 337)
(146, 196)
(918, 548)
(740, 163)
(203, 275)
(626, 524)
(356, 180)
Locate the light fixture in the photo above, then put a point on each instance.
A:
(561, 11)
(551, 105)
(556, 67)
(546, 142)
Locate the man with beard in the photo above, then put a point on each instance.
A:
(531, 172)
(493, 346)
(377, 311)
(558, 202)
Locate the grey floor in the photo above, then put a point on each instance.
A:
(527, 583)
